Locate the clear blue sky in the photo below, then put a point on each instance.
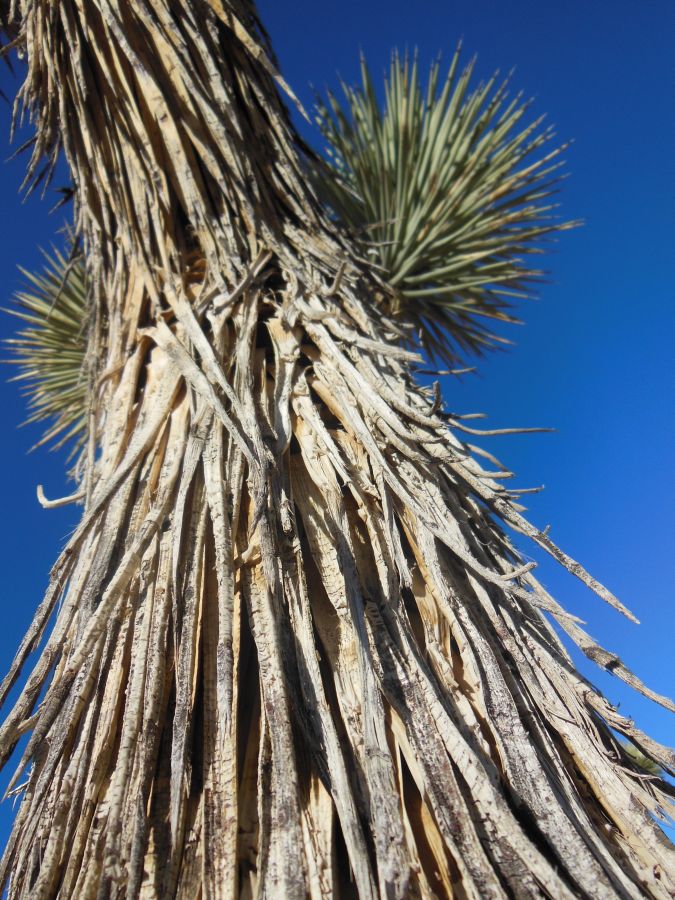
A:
(595, 358)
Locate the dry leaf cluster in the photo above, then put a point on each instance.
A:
(294, 653)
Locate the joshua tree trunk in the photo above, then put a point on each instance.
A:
(294, 653)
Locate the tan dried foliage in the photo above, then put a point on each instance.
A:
(293, 652)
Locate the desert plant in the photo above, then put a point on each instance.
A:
(449, 190)
(293, 652)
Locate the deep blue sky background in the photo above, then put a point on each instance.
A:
(595, 358)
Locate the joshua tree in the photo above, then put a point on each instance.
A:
(293, 650)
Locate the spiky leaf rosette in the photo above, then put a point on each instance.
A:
(449, 192)
(50, 349)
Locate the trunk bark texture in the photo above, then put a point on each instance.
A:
(293, 652)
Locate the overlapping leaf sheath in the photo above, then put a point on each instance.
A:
(293, 652)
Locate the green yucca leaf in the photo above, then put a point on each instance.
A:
(50, 349)
(643, 762)
(449, 192)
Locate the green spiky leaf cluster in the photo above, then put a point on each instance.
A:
(50, 348)
(642, 761)
(449, 192)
